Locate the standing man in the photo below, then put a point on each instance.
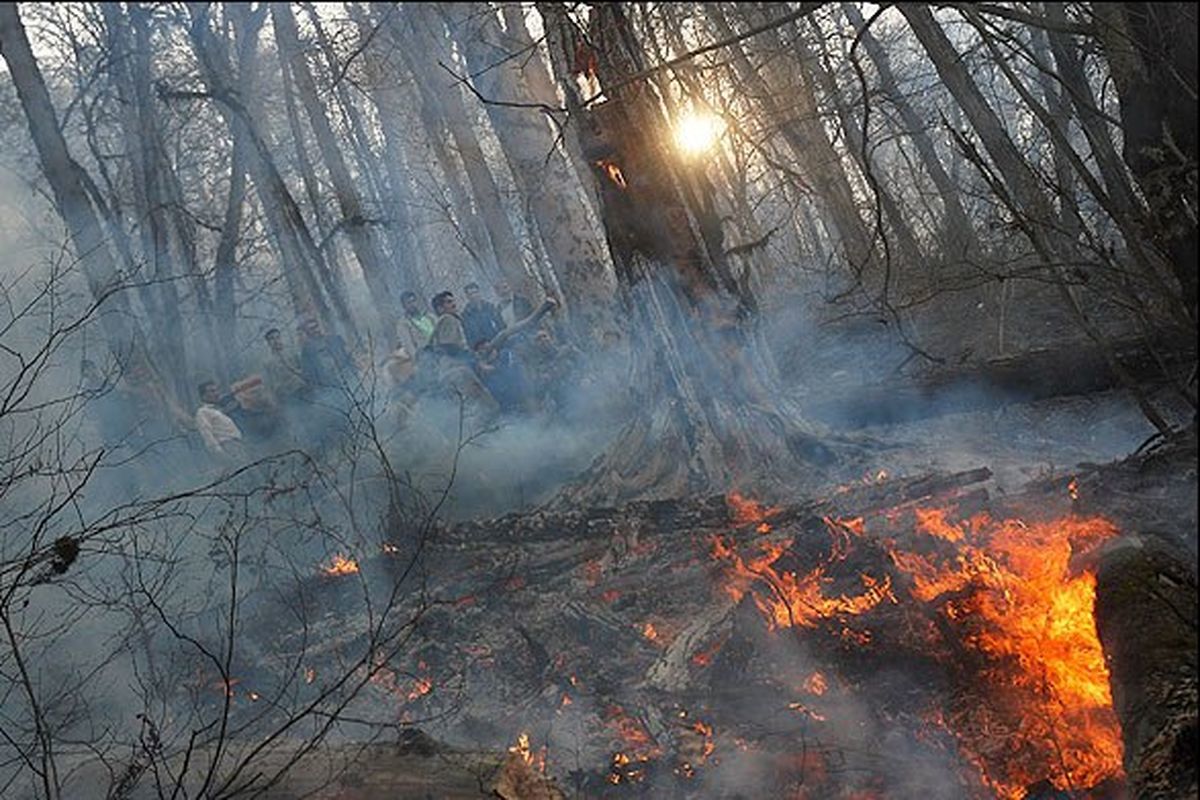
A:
(481, 319)
(512, 306)
(324, 361)
(449, 343)
(285, 381)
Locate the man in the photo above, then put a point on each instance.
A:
(416, 328)
(499, 368)
(449, 343)
(481, 320)
(284, 379)
(553, 366)
(324, 361)
(512, 306)
(221, 435)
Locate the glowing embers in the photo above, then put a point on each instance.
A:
(636, 747)
(797, 599)
(744, 510)
(340, 565)
(613, 172)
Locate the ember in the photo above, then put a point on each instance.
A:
(745, 511)
(613, 172)
(341, 565)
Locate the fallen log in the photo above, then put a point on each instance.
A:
(1033, 375)
(1146, 618)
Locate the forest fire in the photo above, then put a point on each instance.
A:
(1012, 617)
(340, 565)
(745, 510)
(613, 172)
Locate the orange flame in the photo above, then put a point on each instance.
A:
(613, 172)
(746, 511)
(792, 600)
(341, 565)
(1008, 590)
(1031, 616)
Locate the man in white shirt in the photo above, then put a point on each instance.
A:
(220, 434)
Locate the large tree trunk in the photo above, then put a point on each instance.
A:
(705, 415)
(1146, 620)
(107, 285)
(354, 219)
(540, 170)
(423, 32)
(1152, 52)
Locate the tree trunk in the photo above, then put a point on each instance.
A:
(1146, 620)
(107, 286)
(960, 238)
(1152, 53)
(354, 219)
(540, 170)
(705, 418)
(424, 32)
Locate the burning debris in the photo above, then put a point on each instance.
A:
(673, 647)
(340, 565)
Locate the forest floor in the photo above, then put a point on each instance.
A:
(606, 637)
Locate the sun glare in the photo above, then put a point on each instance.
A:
(697, 133)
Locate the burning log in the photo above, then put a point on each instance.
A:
(1146, 618)
(970, 647)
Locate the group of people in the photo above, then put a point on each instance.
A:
(487, 359)
(497, 358)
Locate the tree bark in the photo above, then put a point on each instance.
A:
(540, 170)
(959, 232)
(354, 219)
(1146, 620)
(106, 284)
(1152, 53)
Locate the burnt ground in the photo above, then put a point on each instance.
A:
(608, 637)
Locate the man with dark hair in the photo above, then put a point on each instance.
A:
(324, 361)
(454, 363)
(285, 380)
(221, 434)
(512, 306)
(416, 328)
(481, 319)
